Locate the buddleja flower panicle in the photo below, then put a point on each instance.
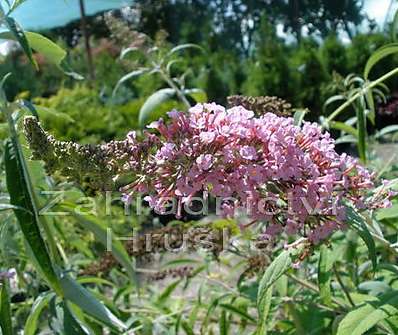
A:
(263, 162)
(289, 177)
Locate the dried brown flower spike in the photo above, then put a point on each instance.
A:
(261, 105)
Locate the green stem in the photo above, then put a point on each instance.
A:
(360, 108)
(361, 93)
(172, 85)
(385, 243)
(345, 290)
(313, 288)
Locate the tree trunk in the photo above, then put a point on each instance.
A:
(86, 37)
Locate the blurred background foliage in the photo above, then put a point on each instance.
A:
(243, 54)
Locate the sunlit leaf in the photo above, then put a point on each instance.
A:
(371, 104)
(386, 130)
(40, 303)
(343, 127)
(378, 55)
(50, 50)
(298, 116)
(197, 94)
(346, 139)
(154, 101)
(17, 33)
(273, 272)
(128, 76)
(167, 292)
(370, 313)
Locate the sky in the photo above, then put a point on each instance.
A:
(377, 9)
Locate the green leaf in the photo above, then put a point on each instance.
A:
(127, 77)
(223, 323)
(370, 101)
(197, 94)
(333, 99)
(166, 293)
(187, 328)
(22, 196)
(379, 54)
(359, 225)
(18, 34)
(370, 313)
(299, 116)
(106, 238)
(262, 326)
(387, 213)
(238, 312)
(30, 107)
(78, 295)
(346, 139)
(153, 101)
(212, 306)
(273, 272)
(325, 274)
(183, 47)
(386, 130)
(344, 127)
(71, 325)
(32, 322)
(6, 207)
(389, 267)
(50, 50)
(276, 269)
(5, 309)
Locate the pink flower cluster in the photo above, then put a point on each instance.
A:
(287, 176)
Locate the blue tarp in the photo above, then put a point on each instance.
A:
(38, 14)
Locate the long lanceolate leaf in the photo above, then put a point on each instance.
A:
(39, 305)
(325, 274)
(22, 196)
(78, 295)
(127, 77)
(358, 224)
(154, 101)
(20, 36)
(274, 271)
(379, 54)
(5, 309)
